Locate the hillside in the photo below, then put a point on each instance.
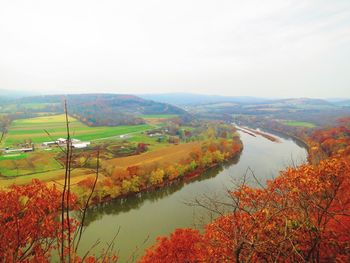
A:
(318, 111)
(185, 99)
(95, 109)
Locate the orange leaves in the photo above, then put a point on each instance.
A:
(333, 141)
(28, 217)
(184, 245)
(302, 215)
(87, 183)
(152, 174)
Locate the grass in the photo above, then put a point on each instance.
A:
(22, 168)
(57, 175)
(300, 123)
(26, 164)
(17, 156)
(43, 161)
(33, 129)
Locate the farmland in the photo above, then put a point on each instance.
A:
(40, 161)
(49, 176)
(157, 119)
(162, 156)
(34, 129)
(48, 169)
(25, 164)
(48, 160)
(167, 155)
(300, 123)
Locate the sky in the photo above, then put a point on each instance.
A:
(279, 48)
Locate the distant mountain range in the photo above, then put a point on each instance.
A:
(317, 111)
(15, 94)
(182, 99)
(191, 99)
(340, 102)
(119, 109)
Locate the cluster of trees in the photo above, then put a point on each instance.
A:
(330, 142)
(301, 216)
(101, 109)
(36, 221)
(96, 109)
(137, 178)
(30, 229)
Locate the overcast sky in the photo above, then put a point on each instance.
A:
(257, 48)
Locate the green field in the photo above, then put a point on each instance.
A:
(25, 164)
(17, 156)
(34, 129)
(300, 123)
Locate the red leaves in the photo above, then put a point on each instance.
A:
(29, 222)
(333, 141)
(302, 215)
(87, 183)
(28, 217)
(184, 245)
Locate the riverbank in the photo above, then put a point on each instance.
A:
(188, 174)
(287, 134)
(256, 132)
(159, 211)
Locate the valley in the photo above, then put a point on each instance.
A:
(152, 164)
(174, 131)
(145, 216)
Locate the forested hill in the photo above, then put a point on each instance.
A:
(99, 109)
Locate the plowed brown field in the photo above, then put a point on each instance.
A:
(167, 155)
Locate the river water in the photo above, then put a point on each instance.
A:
(141, 218)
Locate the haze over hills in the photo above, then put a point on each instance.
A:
(193, 99)
(15, 94)
(317, 111)
(120, 109)
(96, 109)
(180, 98)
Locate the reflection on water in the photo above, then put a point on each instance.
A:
(159, 212)
(117, 206)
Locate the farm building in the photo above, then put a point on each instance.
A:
(22, 150)
(61, 142)
(80, 145)
(155, 134)
(48, 143)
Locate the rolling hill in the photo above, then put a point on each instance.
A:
(95, 109)
(185, 99)
(317, 111)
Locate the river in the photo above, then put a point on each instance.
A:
(151, 214)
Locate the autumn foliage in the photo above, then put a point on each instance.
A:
(28, 222)
(334, 141)
(301, 216)
(136, 178)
